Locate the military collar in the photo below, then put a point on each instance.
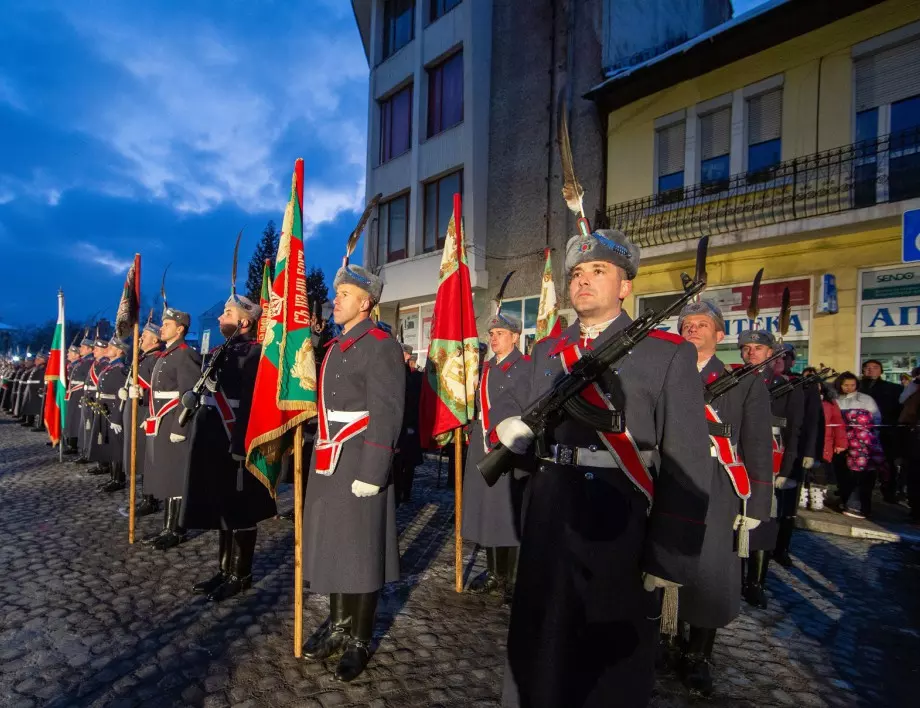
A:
(346, 341)
(507, 362)
(714, 369)
(178, 344)
(572, 333)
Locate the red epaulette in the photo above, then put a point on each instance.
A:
(666, 336)
(379, 334)
(526, 357)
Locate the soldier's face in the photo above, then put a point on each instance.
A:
(350, 301)
(701, 332)
(756, 353)
(597, 289)
(230, 318)
(502, 341)
(169, 331)
(98, 352)
(148, 340)
(85, 350)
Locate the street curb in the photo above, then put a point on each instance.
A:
(838, 529)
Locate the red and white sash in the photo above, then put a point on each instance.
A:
(778, 450)
(73, 388)
(328, 448)
(227, 416)
(484, 405)
(621, 445)
(152, 424)
(729, 459)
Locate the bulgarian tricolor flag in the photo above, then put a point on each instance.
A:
(56, 379)
(285, 390)
(548, 324)
(264, 300)
(451, 372)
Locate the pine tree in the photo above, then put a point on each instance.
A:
(267, 248)
(317, 290)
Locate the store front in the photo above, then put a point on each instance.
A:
(734, 301)
(889, 318)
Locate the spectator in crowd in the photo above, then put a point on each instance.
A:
(910, 420)
(857, 468)
(911, 386)
(886, 395)
(905, 381)
(835, 434)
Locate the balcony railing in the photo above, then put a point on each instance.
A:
(863, 174)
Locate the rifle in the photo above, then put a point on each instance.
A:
(191, 399)
(782, 389)
(589, 368)
(727, 381)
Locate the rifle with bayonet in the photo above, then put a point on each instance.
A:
(592, 366)
(784, 388)
(191, 400)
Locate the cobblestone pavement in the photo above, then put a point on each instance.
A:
(87, 620)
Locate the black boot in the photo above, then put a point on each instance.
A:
(224, 551)
(173, 534)
(81, 460)
(98, 468)
(506, 564)
(28, 421)
(490, 582)
(149, 540)
(111, 470)
(148, 505)
(755, 591)
(39, 426)
(118, 479)
(240, 577)
(71, 447)
(783, 541)
(358, 650)
(332, 635)
(696, 662)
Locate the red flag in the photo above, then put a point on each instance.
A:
(56, 379)
(451, 372)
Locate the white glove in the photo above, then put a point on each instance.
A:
(134, 391)
(363, 489)
(515, 434)
(808, 462)
(122, 394)
(176, 438)
(784, 483)
(116, 428)
(749, 523)
(653, 582)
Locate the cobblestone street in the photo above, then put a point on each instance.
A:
(87, 620)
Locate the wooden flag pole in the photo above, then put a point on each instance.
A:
(132, 489)
(458, 508)
(298, 541)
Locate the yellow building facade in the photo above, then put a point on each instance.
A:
(800, 159)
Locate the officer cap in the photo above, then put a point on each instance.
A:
(177, 316)
(73, 348)
(786, 347)
(122, 345)
(703, 307)
(756, 336)
(407, 348)
(504, 320)
(153, 328)
(241, 302)
(100, 342)
(607, 245)
(361, 278)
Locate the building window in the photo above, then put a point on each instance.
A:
(439, 207)
(671, 162)
(865, 171)
(445, 94)
(398, 25)
(715, 148)
(396, 124)
(904, 147)
(525, 309)
(439, 8)
(765, 116)
(393, 230)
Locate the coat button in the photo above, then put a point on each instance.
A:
(589, 476)
(543, 468)
(592, 448)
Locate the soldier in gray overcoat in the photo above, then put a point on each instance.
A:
(220, 492)
(110, 419)
(492, 515)
(150, 345)
(786, 421)
(76, 383)
(349, 527)
(739, 500)
(176, 370)
(32, 398)
(612, 517)
(87, 414)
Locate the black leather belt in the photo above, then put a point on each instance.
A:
(778, 422)
(720, 430)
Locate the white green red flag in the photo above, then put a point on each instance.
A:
(285, 390)
(548, 324)
(264, 300)
(451, 372)
(56, 379)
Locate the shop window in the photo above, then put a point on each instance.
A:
(445, 94)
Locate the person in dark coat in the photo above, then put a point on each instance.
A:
(33, 396)
(603, 537)
(756, 347)
(149, 345)
(10, 372)
(349, 522)
(409, 455)
(176, 370)
(76, 384)
(87, 414)
(111, 428)
(492, 515)
(16, 387)
(220, 492)
(887, 397)
(812, 427)
(739, 500)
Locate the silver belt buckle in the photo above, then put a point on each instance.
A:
(566, 455)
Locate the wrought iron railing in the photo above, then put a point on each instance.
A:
(863, 174)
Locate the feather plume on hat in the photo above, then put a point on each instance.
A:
(355, 235)
(572, 191)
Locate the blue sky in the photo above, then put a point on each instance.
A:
(165, 127)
